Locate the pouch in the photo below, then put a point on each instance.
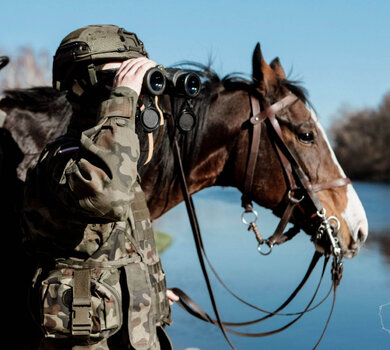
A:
(81, 303)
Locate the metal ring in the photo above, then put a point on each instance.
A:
(321, 213)
(252, 211)
(290, 197)
(336, 220)
(266, 253)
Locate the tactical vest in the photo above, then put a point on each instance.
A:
(83, 300)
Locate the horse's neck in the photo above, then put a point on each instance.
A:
(215, 144)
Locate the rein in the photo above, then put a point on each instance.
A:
(325, 232)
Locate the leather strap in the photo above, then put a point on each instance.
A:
(278, 237)
(198, 240)
(82, 304)
(283, 158)
(310, 269)
(255, 120)
(190, 306)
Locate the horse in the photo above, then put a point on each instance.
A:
(222, 150)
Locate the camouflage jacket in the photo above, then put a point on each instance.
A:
(85, 210)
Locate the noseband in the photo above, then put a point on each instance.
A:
(296, 180)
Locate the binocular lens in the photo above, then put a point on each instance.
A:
(192, 85)
(154, 81)
(157, 81)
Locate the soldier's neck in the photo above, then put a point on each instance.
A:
(83, 117)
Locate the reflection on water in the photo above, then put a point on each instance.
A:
(267, 281)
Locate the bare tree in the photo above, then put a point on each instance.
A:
(26, 69)
(362, 142)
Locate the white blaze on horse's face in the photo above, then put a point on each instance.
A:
(353, 217)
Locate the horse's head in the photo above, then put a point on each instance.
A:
(308, 146)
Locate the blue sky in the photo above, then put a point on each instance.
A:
(339, 49)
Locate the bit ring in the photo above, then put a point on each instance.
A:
(244, 221)
(321, 213)
(264, 253)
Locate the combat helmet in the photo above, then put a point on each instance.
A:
(85, 48)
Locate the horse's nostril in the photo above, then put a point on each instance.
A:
(361, 236)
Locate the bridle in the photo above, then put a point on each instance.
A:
(297, 182)
(296, 179)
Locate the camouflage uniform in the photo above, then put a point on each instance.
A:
(87, 220)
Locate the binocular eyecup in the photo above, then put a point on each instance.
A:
(183, 82)
(154, 82)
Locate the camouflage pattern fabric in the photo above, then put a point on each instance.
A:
(3, 115)
(85, 210)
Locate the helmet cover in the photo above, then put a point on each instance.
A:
(81, 50)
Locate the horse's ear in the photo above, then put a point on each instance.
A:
(277, 68)
(262, 74)
(257, 62)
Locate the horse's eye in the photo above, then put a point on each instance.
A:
(306, 137)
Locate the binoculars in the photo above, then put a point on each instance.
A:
(159, 80)
(174, 80)
(156, 81)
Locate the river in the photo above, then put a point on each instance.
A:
(361, 319)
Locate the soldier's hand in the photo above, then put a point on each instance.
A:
(131, 73)
(172, 297)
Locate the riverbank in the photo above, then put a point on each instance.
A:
(163, 241)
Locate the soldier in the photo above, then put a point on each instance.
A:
(100, 283)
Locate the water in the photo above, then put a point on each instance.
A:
(362, 307)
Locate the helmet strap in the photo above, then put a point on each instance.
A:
(77, 89)
(92, 74)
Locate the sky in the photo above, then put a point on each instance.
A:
(339, 49)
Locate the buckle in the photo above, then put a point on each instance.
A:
(81, 319)
(82, 305)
